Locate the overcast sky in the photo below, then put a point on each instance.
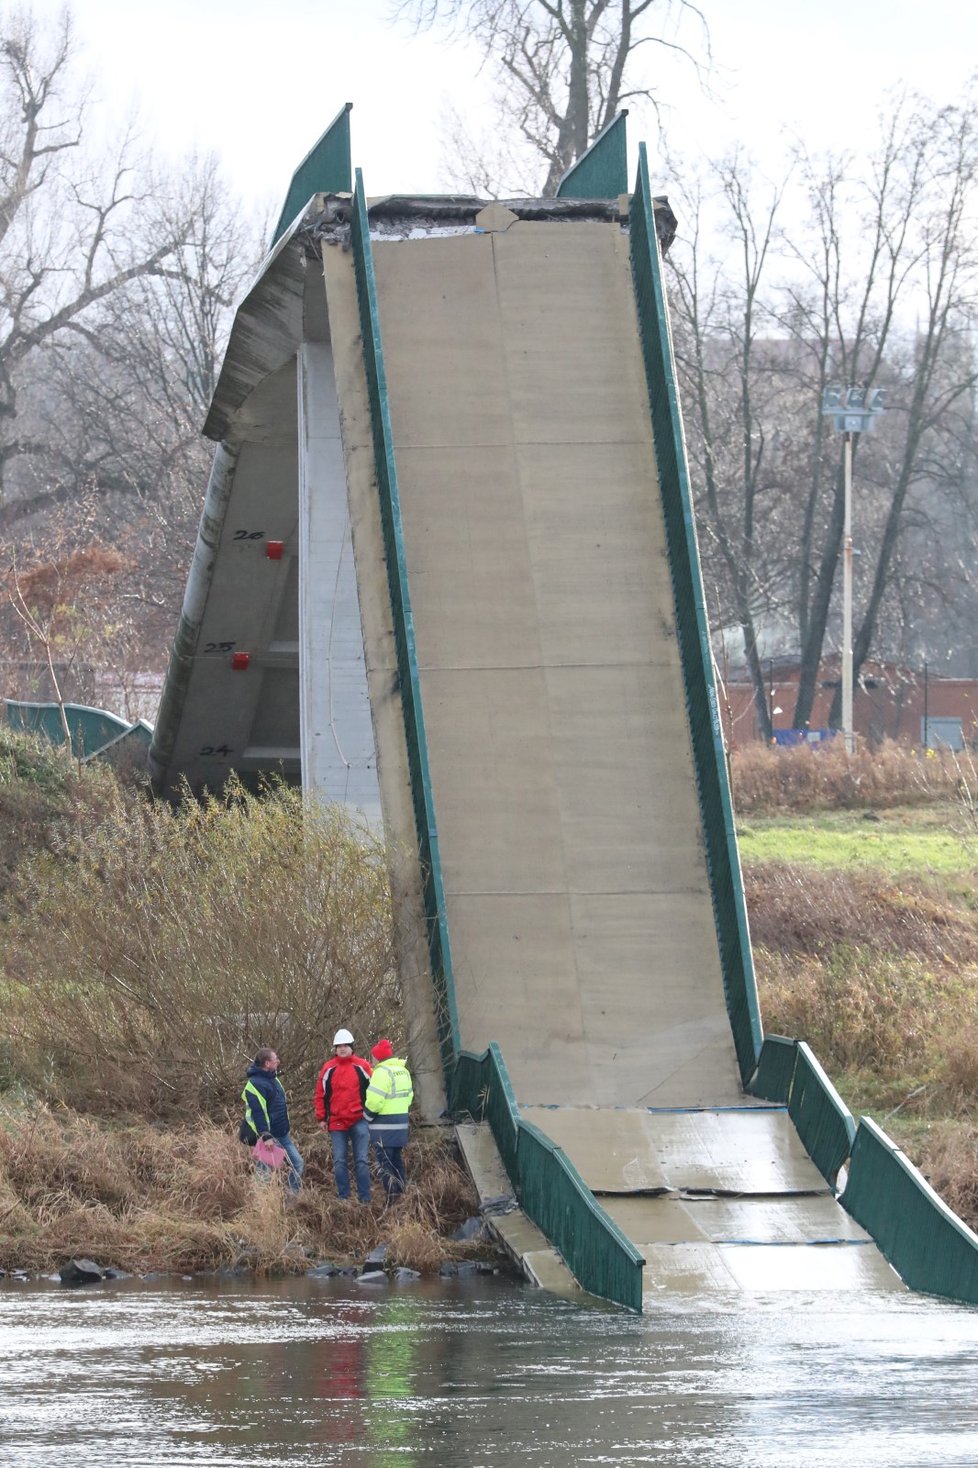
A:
(256, 81)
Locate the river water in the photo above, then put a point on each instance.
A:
(477, 1374)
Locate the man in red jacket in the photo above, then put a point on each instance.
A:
(340, 1092)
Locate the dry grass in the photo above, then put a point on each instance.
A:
(810, 911)
(824, 777)
(947, 1155)
(143, 1198)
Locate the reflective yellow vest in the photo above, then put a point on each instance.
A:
(389, 1097)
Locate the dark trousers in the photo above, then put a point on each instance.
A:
(390, 1163)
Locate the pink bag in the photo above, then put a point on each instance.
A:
(270, 1153)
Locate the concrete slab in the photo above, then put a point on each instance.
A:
(709, 1268)
(677, 1219)
(526, 1245)
(561, 774)
(751, 1151)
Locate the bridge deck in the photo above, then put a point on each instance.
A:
(578, 901)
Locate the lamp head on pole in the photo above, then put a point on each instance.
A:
(852, 409)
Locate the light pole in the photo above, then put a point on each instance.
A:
(852, 410)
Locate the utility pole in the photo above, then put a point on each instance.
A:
(852, 410)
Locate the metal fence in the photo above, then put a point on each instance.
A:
(927, 1244)
(439, 948)
(723, 863)
(550, 1190)
(822, 1120)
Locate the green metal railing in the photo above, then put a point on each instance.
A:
(439, 948)
(550, 1190)
(775, 1069)
(602, 171)
(822, 1120)
(482, 1088)
(927, 1244)
(787, 1072)
(326, 169)
(91, 729)
(723, 863)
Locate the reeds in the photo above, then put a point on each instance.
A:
(824, 777)
(146, 1198)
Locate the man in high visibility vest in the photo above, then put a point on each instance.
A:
(386, 1106)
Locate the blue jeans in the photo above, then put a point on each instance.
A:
(359, 1136)
(296, 1165)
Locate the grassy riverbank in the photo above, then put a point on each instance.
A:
(145, 954)
(185, 1198)
(862, 890)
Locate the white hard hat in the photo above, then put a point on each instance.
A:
(342, 1037)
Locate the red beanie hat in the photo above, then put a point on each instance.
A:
(383, 1050)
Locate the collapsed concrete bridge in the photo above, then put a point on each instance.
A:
(447, 572)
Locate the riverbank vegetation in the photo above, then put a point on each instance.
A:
(146, 953)
(861, 878)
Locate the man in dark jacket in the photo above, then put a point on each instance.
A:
(340, 1090)
(267, 1113)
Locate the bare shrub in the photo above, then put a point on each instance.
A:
(42, 792)
(824, 777)
(159, 949)
(866, 1010)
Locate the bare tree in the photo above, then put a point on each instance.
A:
(76, 230)
(66, 608)
(732, 391)
(117, 283)
(564, 68)
(887, 250)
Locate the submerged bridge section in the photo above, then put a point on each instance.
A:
(473, 407)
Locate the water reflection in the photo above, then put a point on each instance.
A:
(477, 1374)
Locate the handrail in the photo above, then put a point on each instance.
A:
(822, 1120)
(550, 1190)
(925, 1241)
(723, 862)
(433, 892)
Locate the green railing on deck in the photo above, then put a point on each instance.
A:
(407, 662)
(602, 171)
(927, 1244)
(326, 169)
(550, 1190)
(482, 1088)
(775, 1069)
(723, 864)
(823, 1122)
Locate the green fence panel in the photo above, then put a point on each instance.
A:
(821, 1118)
(726, 883)
(481, 1087)
(551, 1192)
(927, 1244)
(326, 169)
(601, 172)
(90, 729)
(409, 678)
(554, 1195)
(775, 1068)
